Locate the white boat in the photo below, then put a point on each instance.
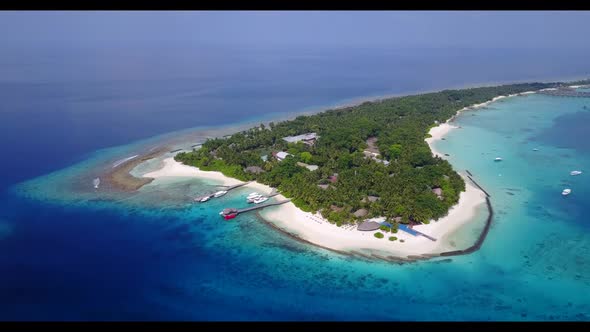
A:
(96, 182)
(253, 198)
(566, 192)
(575, 172)
(498, 159)
(204, 199)
(252, 195)
(535, 149)
(220, 193)
(260, 200)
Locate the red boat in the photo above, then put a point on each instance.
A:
(230, 216)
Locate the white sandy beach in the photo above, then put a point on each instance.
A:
(436, 134)
(315, 229)
(172, 168)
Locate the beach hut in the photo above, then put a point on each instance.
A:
(367, 226)
(333, 178)
(370, 199)
(361, 213)
(254, 169)
(282, 155)
(309, 167)
(336, 208)
(373, 198)
(438, 192)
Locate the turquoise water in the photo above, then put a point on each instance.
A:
(178, 260)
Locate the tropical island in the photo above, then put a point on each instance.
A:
(355, 164)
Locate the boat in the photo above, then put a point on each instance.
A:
(575, 172)
(230, 216)
(498, 159)
(535, 149)
(253, 195)
(260, 200)
(220, 193)
(202, 199)
(96, 182)
(253, 198)
(229, 213)
(566, 192)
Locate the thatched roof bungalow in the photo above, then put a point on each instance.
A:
(368, 226)
(361, 213)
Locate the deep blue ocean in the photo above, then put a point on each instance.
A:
(155, 256)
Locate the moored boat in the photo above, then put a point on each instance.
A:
(498, 159)
(230, 216)
(229, 213)
(202, 199)
(220, 193)
(96, 183)
(575, 172)
(260, 200)
(251, 199)
(566, 192)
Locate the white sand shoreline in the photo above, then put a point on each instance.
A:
(440, 131)
(315, 229)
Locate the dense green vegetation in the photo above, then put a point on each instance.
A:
(392, 238)
(404, 187)
(379, 235)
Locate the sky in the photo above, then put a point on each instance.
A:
(468, 29)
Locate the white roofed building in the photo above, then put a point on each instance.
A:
(308, 138)
(282, 155)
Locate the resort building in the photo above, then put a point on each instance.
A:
(333, 178)
(438, 192)
(309, 167)
(254, 169)
(367, 226)
(309, 138)
(361, 213)
(282, 155)
(372, 151)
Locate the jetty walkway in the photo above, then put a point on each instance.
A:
(262, 206)
(565, 92)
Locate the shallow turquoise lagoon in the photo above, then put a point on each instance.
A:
(156, 255)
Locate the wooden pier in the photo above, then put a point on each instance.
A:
(230, 213)
(237, 185)
(262, 206)
(425, 235)
(482, 236)
(226, 189)
(565, 92)
(475, 183)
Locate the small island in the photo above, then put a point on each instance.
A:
(366, 166)
(359, 162)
